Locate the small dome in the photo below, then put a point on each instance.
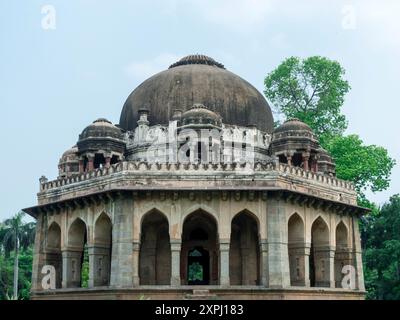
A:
(101, 128)
(293, 125)
(199, 114)
(73, 151)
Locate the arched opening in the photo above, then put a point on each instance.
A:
(199, 254)
(53, 251)
(319, 254)
(297, 251)
(100, 253)
(155, 250)
(99, 161)
(342, 253)
(244, 251)
(78, 258)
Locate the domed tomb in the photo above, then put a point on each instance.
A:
(198, 79)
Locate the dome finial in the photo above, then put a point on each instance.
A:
(197, 59)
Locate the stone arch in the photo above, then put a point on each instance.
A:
(298, 253)
(244, 249)
(155, 249)
(53, 251)
(200, 252)
(77, 254)
(343, 254)
(100, 252)
(319, 264)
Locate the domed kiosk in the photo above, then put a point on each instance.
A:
(194, 188)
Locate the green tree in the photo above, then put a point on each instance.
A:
(311, 90)
(382, 252)
(367, 166)
(15, 235)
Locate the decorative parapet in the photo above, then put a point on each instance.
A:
(205, 169)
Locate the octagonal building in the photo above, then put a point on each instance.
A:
(195, 195)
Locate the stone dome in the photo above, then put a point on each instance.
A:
(293, 125)
(101, 128)
(200, 114)
(198, 79)
(70, 155)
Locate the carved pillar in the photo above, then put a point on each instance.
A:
(224, 264)
(99, 266)
(81, 167)
(299, 254)
(306, 157)
(358, 255)
(175, 262)
(264, 262)
(278, 259)
(90, 162)
(324, 266)
(71, 268)
(108, 161)
(135, 262)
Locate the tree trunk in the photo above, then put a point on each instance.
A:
(16, 269)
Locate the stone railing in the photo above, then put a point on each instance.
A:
(146, 168)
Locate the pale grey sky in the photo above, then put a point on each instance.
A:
(54, 82)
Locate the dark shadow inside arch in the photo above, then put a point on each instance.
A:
(244, 252)
(199, 254)
(155, 250)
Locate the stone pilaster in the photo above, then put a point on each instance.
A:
(358, 255)
(175, 262)
(99, 266)
(38, 252)
(71, 268)
(135, 262)
(264, 262)
(224, 263)
(121, 262)
(278, 259)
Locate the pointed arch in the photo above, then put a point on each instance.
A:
(78, 259)
(343, 254)
(53, 251)
(319, 261)
(244, 249)
(200, 236)
(100, 260)
(155, 249)
(296, 250)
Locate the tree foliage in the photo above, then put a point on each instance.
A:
(367, 166)
(382, 252)
(311, 90)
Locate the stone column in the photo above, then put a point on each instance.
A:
(176, 245)
(122, 253)
(90, 162)
(108, 161)
(99, 266)
(71, 268)
(135, 259)
(39, 257)
(81, 167)
(224, 262)
(299, 254)
(324, 266)
(278, 259)
(306, 157)
(358, 255)
(264, 262)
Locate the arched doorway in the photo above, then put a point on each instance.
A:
(155, 250)
(100, 253)
(53, 251)
(296, 250)
(244, 250)
(319, 254)
(199, 254)
(78, 258)
(343, 255)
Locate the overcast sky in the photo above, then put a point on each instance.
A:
(57, 76)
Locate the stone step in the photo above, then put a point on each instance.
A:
(200, 294)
